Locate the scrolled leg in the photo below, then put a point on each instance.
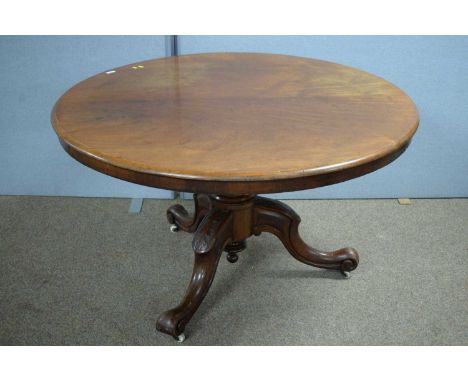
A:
(279, 219)
(213, 233)
(179, 218)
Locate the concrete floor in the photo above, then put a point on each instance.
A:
(83, 271)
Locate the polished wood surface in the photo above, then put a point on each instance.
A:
(235, 123)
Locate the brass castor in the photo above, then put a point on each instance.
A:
(346, 274)
(180, 338)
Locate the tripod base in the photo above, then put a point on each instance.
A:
(222, 223)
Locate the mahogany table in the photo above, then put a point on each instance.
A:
(230, 126)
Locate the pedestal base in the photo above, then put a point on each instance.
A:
(224, 223)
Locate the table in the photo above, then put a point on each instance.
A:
(230, 126)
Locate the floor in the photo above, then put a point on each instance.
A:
(83, 271)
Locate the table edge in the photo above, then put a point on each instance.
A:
(306, 179)
(233, 187)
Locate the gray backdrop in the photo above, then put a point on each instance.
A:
(432, 70)
(35, 72)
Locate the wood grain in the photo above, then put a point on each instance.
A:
(235, 123)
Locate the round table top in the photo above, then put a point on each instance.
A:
(235, 123)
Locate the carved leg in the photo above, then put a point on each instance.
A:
(279, 219)
(179, 218)
(213, 233)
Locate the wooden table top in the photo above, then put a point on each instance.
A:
(235, 123)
